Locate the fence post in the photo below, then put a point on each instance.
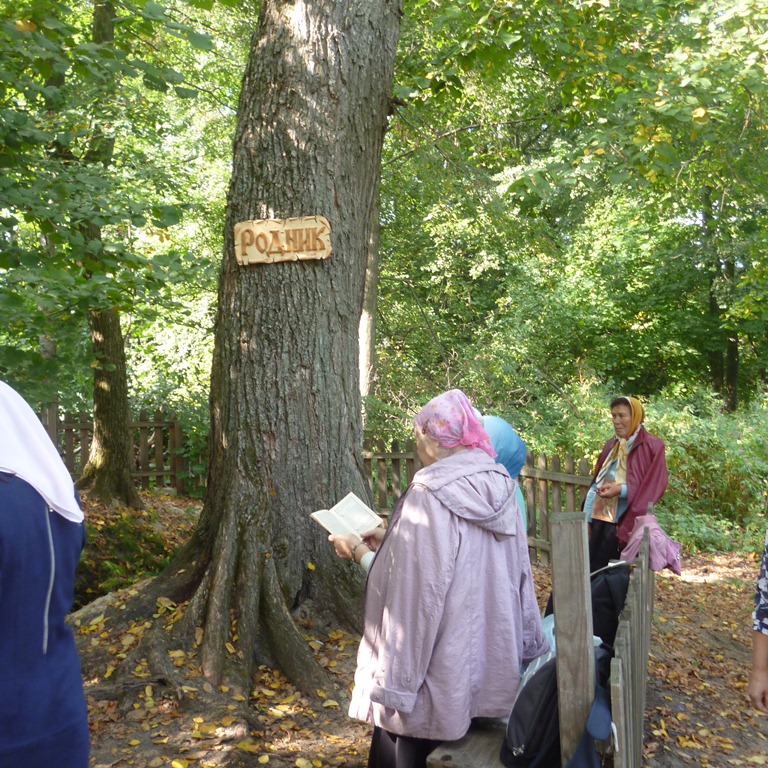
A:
(557, 493)
(159, 448)
(543, 508)
(368, 465)
(144, 448)
(69, 442)
(413, 463)
(573, 626)
(381, 476)
(85, 423)
(179, 463)
(50, 418)
(397, 482)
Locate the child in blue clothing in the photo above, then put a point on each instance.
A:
(43, 715)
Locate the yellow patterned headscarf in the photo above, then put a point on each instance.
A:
(638, 414)
(621, 450)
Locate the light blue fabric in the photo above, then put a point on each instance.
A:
(508, 445)
(510, 453)
(520, 499)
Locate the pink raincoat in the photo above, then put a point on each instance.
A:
(450, 610)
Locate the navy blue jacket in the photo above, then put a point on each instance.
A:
(43, 715)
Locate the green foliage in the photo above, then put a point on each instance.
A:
(113, 185)
(572, 207)
(703, 533)
(718, 466)
(718, 462)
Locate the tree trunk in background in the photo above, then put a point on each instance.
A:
(285, 394)
(732, 372)
(107, 473)
(715, 345)
(732, 344)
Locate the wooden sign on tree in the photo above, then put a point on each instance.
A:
(265, 241)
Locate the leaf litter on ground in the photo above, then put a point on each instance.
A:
(697, 713)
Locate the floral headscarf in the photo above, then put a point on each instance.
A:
(450, 420)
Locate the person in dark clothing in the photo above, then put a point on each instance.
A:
(43, 714)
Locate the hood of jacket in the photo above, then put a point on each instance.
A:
(474, 487)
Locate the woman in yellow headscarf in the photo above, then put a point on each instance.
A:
(630, 474)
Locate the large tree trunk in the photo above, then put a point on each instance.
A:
(285, 402)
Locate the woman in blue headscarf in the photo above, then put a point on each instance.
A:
(510, 453)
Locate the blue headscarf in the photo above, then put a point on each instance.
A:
(509, 446)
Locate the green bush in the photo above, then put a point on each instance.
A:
(718, 461)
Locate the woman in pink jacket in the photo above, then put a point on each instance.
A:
(450, 612)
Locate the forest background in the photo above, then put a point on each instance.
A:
(572, 203)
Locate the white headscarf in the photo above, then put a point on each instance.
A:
(27, 451)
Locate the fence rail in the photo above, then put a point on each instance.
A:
(550, 485)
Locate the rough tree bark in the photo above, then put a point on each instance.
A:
(285, 403)
(107, 473)
(367, 333)
(286, 433)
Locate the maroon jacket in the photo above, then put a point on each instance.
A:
(647, 478)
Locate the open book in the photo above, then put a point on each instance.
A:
(350, 515)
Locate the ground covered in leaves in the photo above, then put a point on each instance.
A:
(697, 713)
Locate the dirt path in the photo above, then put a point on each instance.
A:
(697, 713)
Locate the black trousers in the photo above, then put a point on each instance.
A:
(391, 751)
(603, 544)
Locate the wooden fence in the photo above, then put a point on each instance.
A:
(550, 485)
(159, 460)
(629, 666)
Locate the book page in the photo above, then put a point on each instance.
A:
(331, 522)
(350, 515)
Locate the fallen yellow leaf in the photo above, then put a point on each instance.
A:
(248, 746)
